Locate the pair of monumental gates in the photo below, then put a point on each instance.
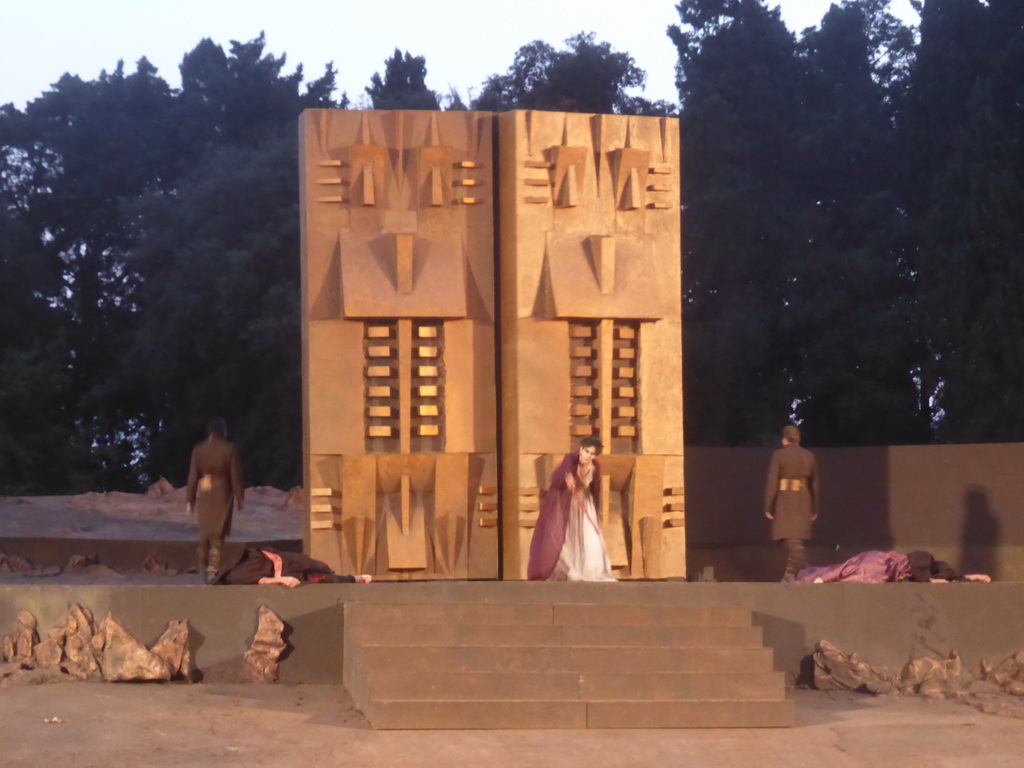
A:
(427, 237)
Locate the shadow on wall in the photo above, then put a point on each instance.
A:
(980, 534)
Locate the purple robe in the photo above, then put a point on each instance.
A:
(549, 535)
(871, 567)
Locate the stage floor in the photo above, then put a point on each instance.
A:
(281, 725)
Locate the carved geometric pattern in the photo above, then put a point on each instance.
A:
(380, 381)
(427, 387)
(662, 186)
(584, 391)
(625, 411)
(674, 508)
(325, 509)
(467, 179)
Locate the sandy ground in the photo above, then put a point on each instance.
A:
(96, 724)
(269, 513)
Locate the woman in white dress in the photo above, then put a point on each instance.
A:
(567, 542)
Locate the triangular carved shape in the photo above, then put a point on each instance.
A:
(602, 250)
(367, 196)
(569, 196)
(436, 187)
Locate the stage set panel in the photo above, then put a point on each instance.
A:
(399, 259)
(591, 327)
(398, 305)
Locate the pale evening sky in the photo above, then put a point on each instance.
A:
(463, 41)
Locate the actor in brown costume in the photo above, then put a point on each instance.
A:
(214, 487)
(792, 499)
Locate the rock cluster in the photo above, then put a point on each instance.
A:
(84, 650)
(835, 670)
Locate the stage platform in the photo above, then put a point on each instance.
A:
(884, 623)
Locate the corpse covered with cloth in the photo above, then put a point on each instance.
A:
(875, 567)
(265, 565)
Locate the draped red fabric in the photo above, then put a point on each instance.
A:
(549, 535)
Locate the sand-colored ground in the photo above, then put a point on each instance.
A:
(269, 513)
(94, 725)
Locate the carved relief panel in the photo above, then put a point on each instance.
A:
(591, 326)
(398, 342)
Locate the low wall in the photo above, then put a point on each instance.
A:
(884, 623)
(963, 503)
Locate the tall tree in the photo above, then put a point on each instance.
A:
(75, 164)
(796, 280)
(851, 311)
(85, 148)
(219, 334)
(404, 84)
(243, 97)
(586, 76)
(972, 240)
(742, 88)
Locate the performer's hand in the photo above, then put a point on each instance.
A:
(364, 578)
(769, 515)
(570, 482)
(188, 508)
(814, 517)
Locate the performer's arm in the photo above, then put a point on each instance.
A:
(193, 484)
(237, 483)
(815, 490)
(771, 487)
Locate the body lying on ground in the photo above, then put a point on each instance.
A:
(264, 565)
(874, 567)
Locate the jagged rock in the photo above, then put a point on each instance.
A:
(1009, 675)
(48, 653)
(295, 497)
(80, 650)
(172, 650)
(160, 488)
(261, 659)
(124, 657)
(942, 678)
(834, 670)
(25, 638)
(15, 564)
(152, 565)
(925, 675)
(78, 563)
(80, 656)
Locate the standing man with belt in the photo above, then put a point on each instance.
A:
(214, 487)
(792, 499)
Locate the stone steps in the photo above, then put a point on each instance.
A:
(501, 714)
(541, 635)
(560, 665)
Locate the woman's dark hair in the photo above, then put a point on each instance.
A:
(592, 442)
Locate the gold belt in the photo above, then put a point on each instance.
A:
(788, 484)
(206, 483)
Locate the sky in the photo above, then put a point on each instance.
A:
(464, 41)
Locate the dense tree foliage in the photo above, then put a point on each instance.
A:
(852, 239)
(404, 84)
(117, 193)
(586, 76)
